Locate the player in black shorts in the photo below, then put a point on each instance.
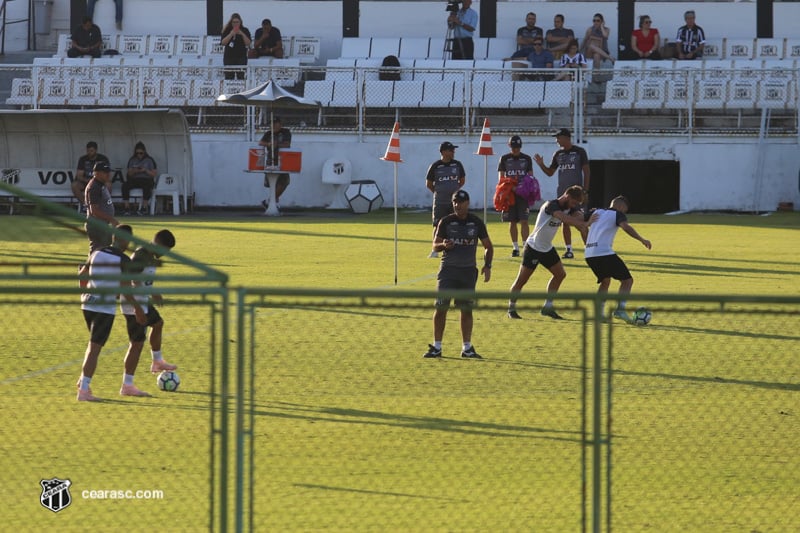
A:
(515, 165)
(457, 236)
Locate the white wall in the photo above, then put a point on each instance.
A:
(715, 174)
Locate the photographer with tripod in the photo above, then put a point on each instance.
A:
(461, 23)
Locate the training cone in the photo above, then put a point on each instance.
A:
(393, 150)
(485, 146)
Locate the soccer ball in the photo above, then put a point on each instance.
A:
(363, 196)
(642, 316)
(168, 381)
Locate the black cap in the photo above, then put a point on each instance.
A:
(460, 195)
(102, 166)
(515, 141)
(447, 145)
(563, 132)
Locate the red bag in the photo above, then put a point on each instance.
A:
(504, 196)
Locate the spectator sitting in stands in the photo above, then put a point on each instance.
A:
(87, 40)
(540, 58)
(645, 41)
(558, 38)
(572, 58)
(236, 40)
(595, 42)
(526, 35)
(691, 39)
(267, 41)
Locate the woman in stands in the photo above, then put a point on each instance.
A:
(236, 40)
(645, 41)
(595, 42)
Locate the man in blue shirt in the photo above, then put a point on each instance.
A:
(540, 57)
(463, 22)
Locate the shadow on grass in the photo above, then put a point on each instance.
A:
(359, 416)
(576, 369)
(378, 492)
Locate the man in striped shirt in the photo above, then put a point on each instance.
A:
(691, 38)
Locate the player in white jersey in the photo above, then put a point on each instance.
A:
(144, 261)
(99, 308)
(600, 255)
(539, 247)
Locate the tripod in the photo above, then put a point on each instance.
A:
(450, 42)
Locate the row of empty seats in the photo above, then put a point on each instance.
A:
(283, 71)
(422, 47)
(707, 68)
(421, 69)
(443, 94)
(701, 94)
(304, 49)
(132, 92)
(744, 48)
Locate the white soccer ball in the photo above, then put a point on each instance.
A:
(168, 381)
(363, 196)
(642, 316)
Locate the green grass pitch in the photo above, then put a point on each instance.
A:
(354, 431)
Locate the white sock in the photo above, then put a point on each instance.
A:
(156, 355)
(548, 303)
(621, 305)
(85, 382)
(569, 247)
(127, 379)
(516, 246)
(437, 345)
(467, 346)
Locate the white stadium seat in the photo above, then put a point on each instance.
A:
(414, 47)
(189, 45)
(21, 92)
(161, 45)
(384, 46)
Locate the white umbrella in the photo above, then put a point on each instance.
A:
(268, 94)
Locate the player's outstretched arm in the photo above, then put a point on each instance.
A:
(572, 220)
(633, 233)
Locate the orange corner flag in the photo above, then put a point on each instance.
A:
(485, 146)
(393, 150)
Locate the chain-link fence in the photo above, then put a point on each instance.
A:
(682, 424)
(126, 462)
(304, 409)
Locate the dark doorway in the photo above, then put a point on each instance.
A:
(651, 186)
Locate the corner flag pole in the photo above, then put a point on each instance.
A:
(485, 149)
(393, 154)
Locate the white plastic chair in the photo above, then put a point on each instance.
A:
(21, 92)
(168, 185)
(339, 173)
(414, 48)
(384, 46)
(770, 48)
(739, 48)
(189, 46)
(161, 46)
